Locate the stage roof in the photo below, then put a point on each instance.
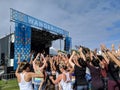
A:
(44, 36)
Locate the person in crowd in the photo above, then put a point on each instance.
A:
(103, 70)
(31, 60)
(63, 79)
(79, 71)
(113, 69)
(24, 76)
(39, 64)
(95, 70)
(49, 67)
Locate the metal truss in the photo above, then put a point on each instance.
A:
(17, 16)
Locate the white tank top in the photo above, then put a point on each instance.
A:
(23, 85)
(66, 85)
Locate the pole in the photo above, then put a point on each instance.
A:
(9, 44)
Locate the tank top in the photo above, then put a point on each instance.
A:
(37, 81)
(23, 85)
(66, 85)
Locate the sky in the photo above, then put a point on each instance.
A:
(89, 22)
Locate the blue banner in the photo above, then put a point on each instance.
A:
(22, 44)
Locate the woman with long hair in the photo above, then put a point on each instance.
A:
(63, 79)
(24, 76)
(38, 66)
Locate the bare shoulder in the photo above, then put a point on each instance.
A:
(60, 76)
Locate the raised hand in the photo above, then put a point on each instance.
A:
(80, 49)
(73, 53)
(18, 59)
(103, 48)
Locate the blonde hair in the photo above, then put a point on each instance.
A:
(37, 62)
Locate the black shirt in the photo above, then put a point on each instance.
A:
(113, 71)
(80, 73)
(48, 68)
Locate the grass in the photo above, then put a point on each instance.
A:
(9, 84)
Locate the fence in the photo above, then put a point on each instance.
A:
(7, 76)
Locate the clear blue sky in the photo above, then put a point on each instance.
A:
(90, 22)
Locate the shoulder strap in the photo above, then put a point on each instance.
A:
(22, 77)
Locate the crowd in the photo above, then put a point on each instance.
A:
(83, 69)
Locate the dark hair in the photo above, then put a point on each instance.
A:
(24, 65)
(88, 59)
(68, 55)
(95, 62)
(85, 50)
(100, 57)
(82, 62)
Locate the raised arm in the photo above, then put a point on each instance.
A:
(70, 60)
(31, 74)
(81, 53)
(118, 52)
(31, 58)
(18, 59)
(113, 50)
(34, 66)
(105, 57)
(113, 58)
(18, 67)
(17, 70)
(44, 61)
